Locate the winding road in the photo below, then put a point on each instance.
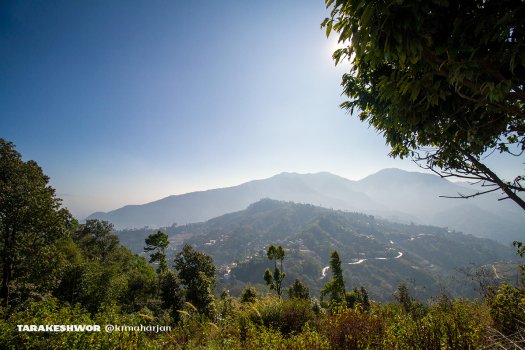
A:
(360, 261)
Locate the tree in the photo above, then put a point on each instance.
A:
(30, 218)
(442, 81)
(158, 242)
(97, 240)
(249, 295)
(274, 280)
(336, 287)
(403, 297)
(171, 293)
(141, 284)
(197, 273)
(358, 297)
(298, 290)
(96, 278)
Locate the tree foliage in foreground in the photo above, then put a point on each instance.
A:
(96, 271)
(443, 81)
(31, 220)
(197, 273)
(171, 293)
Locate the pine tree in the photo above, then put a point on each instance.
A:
(336, 287)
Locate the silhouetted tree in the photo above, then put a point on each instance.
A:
(444, 85)
(358, 297)
(403, 297)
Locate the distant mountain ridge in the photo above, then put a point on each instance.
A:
(390, 193)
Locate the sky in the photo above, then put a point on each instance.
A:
(127, 102)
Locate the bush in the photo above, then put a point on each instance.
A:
(352, 329)
(507, 308)
(249, 295)
(286, 316)
(447, 325)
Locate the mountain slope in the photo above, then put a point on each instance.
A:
(377, 254)
(421, 195)
(391, 193)
(321, 189)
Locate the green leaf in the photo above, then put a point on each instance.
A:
(328, 28)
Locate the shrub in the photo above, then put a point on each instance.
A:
(453, 325)
(286, 316)
(249, 295)
(298, 291)
(507, 307)
(352, 329)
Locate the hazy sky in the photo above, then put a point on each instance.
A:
(125, 102)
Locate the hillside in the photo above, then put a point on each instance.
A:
(377, 254)
(391, 193)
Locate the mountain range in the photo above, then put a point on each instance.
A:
(393, 194)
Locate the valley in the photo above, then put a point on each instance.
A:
(376, 253)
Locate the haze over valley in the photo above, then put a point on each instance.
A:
(393, 194)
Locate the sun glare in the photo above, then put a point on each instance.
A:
(334, 44)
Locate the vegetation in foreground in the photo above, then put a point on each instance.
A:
(273, 323)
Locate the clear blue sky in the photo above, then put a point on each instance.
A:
(125, 102)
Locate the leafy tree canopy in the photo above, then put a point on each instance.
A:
(190, 262)
(197, 272)
(249, 295)
(97, 239)
(171, 293)
(31, 218)
(274, 280)
(158, 242)
(298, 290)
(443, 81)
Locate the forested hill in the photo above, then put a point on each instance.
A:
(377, 254)
(391, 193)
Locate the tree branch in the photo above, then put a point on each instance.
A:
(505, 187)
(460, 195)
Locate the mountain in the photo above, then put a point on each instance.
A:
(376, 253)
(394, 194)
(420, 194)
(321, 189)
